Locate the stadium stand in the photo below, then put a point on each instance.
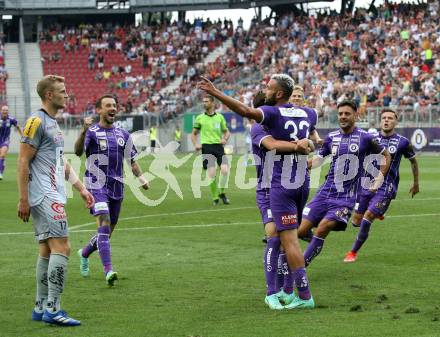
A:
(386, 57)
(134, 63)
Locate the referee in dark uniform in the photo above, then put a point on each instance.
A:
(213, 136)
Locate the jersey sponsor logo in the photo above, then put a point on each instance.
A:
(59, 209)
(102, 144)
(356, 206)
(306, 210)
(334, 149)
(101, 206)
(354, 147)
(293, 112)
(289, 219)
(31, 127)
(101, 134)
(121, 141)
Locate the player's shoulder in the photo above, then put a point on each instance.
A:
(257, 129)
(402, 139)
(95, 130)
(35, 119)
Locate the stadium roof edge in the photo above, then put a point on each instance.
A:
(182, 6)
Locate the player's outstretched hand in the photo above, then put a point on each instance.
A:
(206, 85)
(24, 210)
(87, 197)
(197, 148)
(320, 141)
(88, 121)
(414, 190)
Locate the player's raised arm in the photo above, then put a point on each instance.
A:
(79, 144)
(17, 127)
(280, 146)
(233, 104)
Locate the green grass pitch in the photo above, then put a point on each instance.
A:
(189, 269)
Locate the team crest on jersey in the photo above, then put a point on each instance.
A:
(289, 219)
(121, 141)
(392, 149)
(102, 144)
(354, 147)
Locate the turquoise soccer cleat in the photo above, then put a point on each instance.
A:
(286, 298)
(299, 303)
(273, 302)
(111, 277)
(83, 264)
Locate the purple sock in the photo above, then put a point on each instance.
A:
(302, 283)
(362, 235)
(90, 247)
(104, 247)
(2, 165)
(280, 274)
(271, 264)
(288, 279)
(313, 249)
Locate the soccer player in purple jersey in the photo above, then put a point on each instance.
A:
(106, 147)
(275, 263)
(289, 182)
(6, 122)
(331, 207)
(370, 206)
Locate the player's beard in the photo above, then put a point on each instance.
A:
(270, 100)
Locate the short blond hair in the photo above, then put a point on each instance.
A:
(47, 84)
(298, 88)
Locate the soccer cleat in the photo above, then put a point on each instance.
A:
(299, 303)
(216, 202)
(273, 302)
(350, 257)
(37, 316)
(286, 298)
(111, 277)
(1, 176)
(224, 199)
(264, 239)
(83, 264)
(59, 318)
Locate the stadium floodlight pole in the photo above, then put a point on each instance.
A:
(233, 104)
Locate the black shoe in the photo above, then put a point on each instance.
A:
(216, 202)
(224, 199)
(264, 239)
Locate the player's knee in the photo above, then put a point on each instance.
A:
(370, 216)
(104, 220)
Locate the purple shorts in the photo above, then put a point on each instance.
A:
(376, 203)
(287, 205)
(323, 208)
(106, 205)
(263, 203)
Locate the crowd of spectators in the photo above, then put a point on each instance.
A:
(386, 56)
(134, 63)
(3, 72)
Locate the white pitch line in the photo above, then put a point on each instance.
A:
(167, 214)
(200, 226)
